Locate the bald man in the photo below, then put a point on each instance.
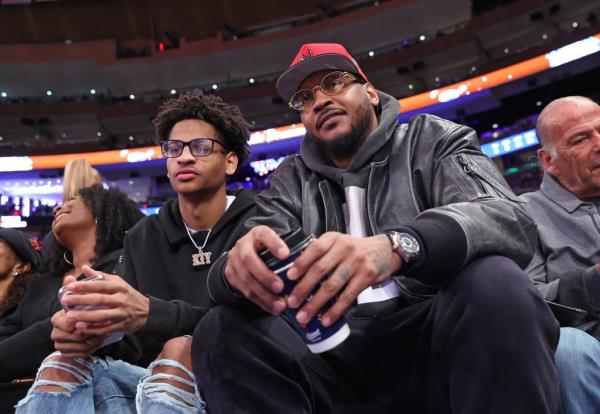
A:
(566, 266)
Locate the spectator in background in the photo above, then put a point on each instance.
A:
(78, 174)
(8, 208)
(19, 262)
(566, 266)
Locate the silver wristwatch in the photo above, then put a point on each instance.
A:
(405, 245)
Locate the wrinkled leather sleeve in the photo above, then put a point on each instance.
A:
(279, 206)
(466, 187)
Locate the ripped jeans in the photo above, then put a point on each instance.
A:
(105, 385)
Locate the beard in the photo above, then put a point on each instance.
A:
(347, 145)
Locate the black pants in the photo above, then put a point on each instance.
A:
(484, 344)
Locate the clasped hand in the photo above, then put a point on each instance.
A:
(339, 264)
(114, 306)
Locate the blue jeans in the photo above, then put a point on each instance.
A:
(112, 387)
(578, 362)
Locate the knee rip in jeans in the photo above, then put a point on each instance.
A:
(59, 373)
(171, 381)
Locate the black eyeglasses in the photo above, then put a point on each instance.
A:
(199, 147)
(331, 84)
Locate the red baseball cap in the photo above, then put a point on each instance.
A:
(314, 57)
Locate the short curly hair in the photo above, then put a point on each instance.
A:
(114, 212)
(227, 119)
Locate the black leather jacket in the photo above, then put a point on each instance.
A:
(428, 177)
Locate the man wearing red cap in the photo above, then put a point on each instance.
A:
(420, 243)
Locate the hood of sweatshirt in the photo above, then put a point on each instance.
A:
(316, 159)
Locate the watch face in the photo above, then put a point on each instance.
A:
(410, 247)
(409, 244)
(405, 244)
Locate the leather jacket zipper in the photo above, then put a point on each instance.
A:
(471, 169)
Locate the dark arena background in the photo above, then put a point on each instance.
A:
(83, 79)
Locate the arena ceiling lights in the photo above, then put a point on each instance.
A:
(508, 74)
(555, 58)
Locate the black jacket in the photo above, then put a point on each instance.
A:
(428, 178)
(25, 331)
(157, 261)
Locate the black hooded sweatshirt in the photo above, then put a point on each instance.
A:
(157, 261)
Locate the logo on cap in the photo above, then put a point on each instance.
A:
(308, 54)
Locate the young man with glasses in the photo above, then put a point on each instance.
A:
(419, 244)
(163, 293)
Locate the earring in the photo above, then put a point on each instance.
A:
(67, 260)
(15, 274)
(96, 221)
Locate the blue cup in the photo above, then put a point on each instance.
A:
(317, 337)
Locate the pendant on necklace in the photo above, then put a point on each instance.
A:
(201, 258)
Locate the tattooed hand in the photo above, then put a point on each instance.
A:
(348, 264)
